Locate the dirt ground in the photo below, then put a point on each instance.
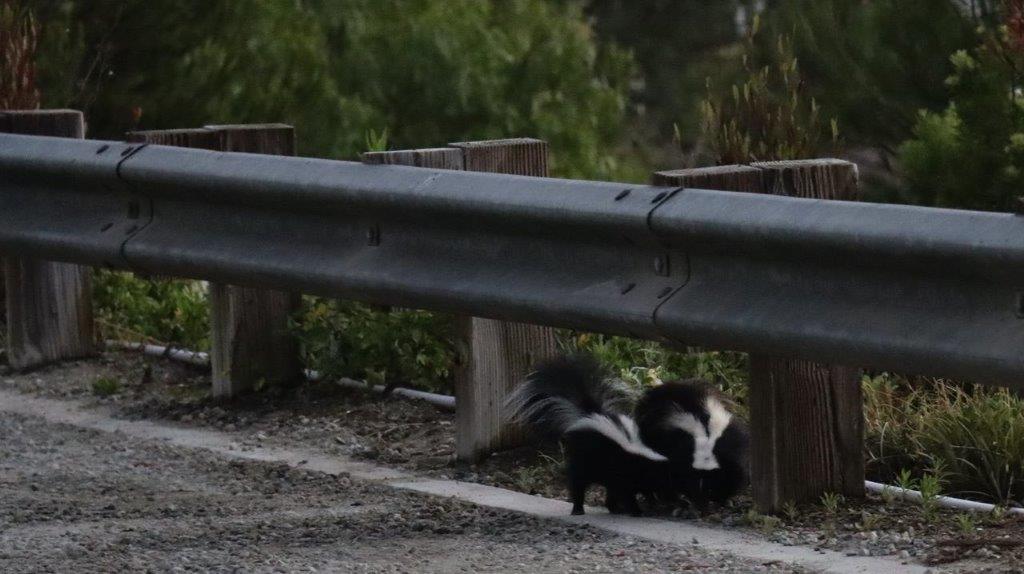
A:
(76, 500)
(399, 433)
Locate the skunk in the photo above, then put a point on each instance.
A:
(569, 398)
(690, 423)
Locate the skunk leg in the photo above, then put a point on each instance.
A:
(630, 504)
(611, 502)
(577, 493)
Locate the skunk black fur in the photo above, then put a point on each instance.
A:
(692, 424)
(571, 399)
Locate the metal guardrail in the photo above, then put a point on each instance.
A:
(922, 290)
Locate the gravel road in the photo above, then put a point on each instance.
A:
(76, 500)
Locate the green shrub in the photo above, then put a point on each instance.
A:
(171, 312)
(105, 386)
(430, 71)
(971, 155)
(874, 64)
(641, 363)
(347, 339)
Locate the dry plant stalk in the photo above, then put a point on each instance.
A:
(19, 39)
(768, 116)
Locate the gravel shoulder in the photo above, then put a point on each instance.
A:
(401, 434)
(78, 500)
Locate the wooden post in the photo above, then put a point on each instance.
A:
(250, 342)
(49, 305)
(806, 418)
(494, 356)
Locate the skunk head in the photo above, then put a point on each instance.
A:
(691, 424)
(705, 429)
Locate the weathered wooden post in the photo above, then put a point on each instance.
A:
(806, 418)
(493, 355)
(250, 341)
(49, 305)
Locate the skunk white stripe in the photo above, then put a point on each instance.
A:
(627, 436)
(704, 439)
(557, 412)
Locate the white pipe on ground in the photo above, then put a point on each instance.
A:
(444, 402)
(946, 501)
(196, 358)
(201, 359)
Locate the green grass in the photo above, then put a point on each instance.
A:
(965, 523)
(832, 502)
(970, 438)
(376, 141)
(106, 386)
(765, 523)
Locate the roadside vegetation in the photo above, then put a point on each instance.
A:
(925, 95)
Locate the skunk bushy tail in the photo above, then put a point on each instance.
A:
(564, 390)
(572, 400)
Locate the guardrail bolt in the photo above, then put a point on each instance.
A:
(373, 235)
(661, 266)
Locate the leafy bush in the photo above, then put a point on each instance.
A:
(431, 72)
(971, 155)
(642, 363)
(873, 65)
(973, 437)
(106, 386)
(169, 312)
(347, 339)
(676, 45)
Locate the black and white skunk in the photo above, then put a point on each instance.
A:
(570, 399)
(691, 423)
